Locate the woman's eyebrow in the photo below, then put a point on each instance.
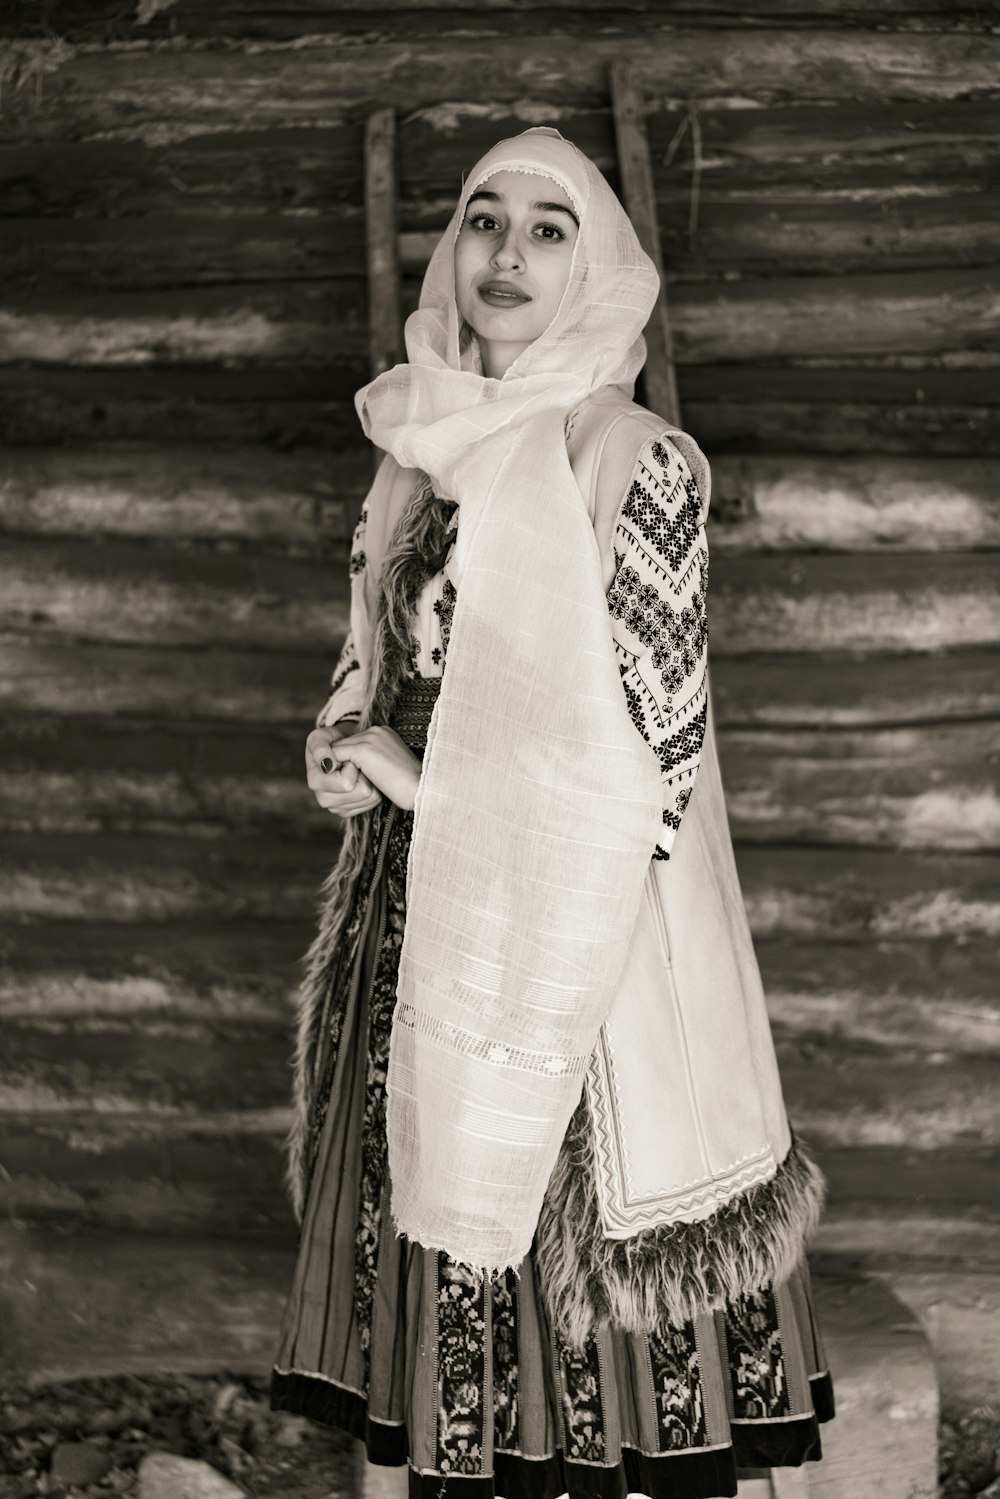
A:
(542, 207)
(556, 208)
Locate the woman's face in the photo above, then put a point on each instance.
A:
(518, 233)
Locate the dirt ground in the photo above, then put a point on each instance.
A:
(224, 1420)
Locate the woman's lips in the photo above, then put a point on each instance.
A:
(502, 299)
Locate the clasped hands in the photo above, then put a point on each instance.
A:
(367, 765)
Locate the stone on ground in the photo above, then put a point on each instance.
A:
(164, 1475)
(79, 1463)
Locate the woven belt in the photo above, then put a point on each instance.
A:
(411, 713)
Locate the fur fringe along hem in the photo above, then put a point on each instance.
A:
(315, 992)
(670, 1273)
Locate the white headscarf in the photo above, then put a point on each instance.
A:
(539, 803)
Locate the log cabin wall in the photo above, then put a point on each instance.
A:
(182, 327)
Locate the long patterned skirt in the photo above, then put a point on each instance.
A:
(468, 1384)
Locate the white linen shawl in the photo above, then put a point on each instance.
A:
(539, 803)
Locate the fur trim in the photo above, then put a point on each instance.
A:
(312, 1001)
(417, 545)
(673, 1272)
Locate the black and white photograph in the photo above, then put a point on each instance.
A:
(500, 754)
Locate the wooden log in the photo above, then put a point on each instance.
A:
(865, 894)
(854, 504)
(902, 788)
(126, 777)
(201, 1071)
(936, 993)
(160, 1067)
(919, 312)
(762, 236)
(301, 502)
(791, 184)
(852, 691)
(127, 592)
(71, 971)
(223, 685)
(213, 682)
(164, 1069)
(933, 788)
(894, 1205)
(925, 312)
(795, 142)
(313, 170)
(125, 878)
(836, 1094)
(935, 996)
(629, 112)
(801, 892)
(212, 406)
(277, 325)
(886, 1205)
(878, 409)
(60, 91)
(89, 20)
(821, 428)
(169, 245)
(898, 384)
(848, 603)
(149, 1172)
(385, 324)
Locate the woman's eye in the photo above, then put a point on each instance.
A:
(555, 230)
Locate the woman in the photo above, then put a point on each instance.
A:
(552, 1212)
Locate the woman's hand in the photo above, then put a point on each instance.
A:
(385, 760)
(341, 789)
(379, 760)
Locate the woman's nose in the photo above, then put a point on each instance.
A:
(507, 254)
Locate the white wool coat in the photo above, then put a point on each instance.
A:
(685, 1118)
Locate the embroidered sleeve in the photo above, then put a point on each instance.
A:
(657, 602)
(347, 684)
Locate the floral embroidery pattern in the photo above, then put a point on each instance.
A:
(374, 1144)
(583, 1413)
(462, 1368)
(358, 559)
(347, 661)
(341, 967)
(444, 608)
(670, 524)
(675, 638)
(680, 1397)
(506, 1425)
(657, 602)
(756, 1358)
